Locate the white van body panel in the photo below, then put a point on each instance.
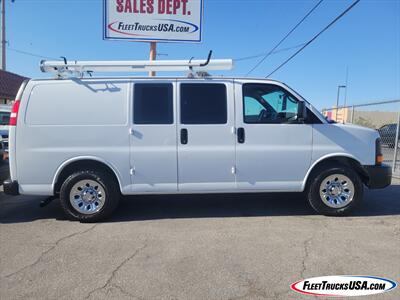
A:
(64, 121)
(344, 140)
(207, 162)
(153, 152)
(60, 120)
(274, 157)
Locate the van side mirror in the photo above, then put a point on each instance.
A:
(301, 111)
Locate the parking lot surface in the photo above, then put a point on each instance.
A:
(194, 247)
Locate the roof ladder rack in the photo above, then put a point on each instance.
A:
(79, 68)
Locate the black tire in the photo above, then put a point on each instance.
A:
(109, 185)
(313, 191)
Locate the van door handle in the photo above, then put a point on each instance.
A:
(184, 136)
(240, 135)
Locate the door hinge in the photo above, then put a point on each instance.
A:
(131, 131)
(233, 170)
(132, 171)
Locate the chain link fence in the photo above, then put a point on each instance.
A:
(383, 116)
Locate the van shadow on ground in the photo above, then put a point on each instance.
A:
(137, 208)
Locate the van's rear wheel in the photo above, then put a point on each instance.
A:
(89, 196)
(335, 191)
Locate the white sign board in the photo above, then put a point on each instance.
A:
(153, 20)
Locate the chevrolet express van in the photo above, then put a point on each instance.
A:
(90, 140)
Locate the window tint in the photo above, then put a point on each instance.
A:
(203, 103)
(153, 103)
(4, 118)
(266, 103)
(312, 118)
(252, 106)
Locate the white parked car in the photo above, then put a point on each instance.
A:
(89, 140)
(5, 111)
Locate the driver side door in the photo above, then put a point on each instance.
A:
(273, 148)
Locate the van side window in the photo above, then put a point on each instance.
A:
(203, 103)
(267, 103)
(153, 103)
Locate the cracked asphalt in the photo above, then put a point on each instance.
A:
(194, 247)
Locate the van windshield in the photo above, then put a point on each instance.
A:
(4, 117)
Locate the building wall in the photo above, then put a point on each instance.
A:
(6, 101)
(341, 115)
(375, 119)
(372, 118)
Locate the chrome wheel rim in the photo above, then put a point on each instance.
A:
(87, 196)
(336, 190)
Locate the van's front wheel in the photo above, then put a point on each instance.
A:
(335, 191)
(89, 196)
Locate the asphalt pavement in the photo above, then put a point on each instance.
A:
(194, 247)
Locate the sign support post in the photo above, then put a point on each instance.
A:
(3, 35)
(153, 55)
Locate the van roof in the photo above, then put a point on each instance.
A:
(117, 78)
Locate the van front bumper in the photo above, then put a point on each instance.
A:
(11, 187)
(378, 176)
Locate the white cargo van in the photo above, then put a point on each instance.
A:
(91, 140)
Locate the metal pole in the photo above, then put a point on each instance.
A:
(153, 54)
(337, 103)
(347, 84)
(396, 144)
(3, 35)
(352, 114)
(337, 97)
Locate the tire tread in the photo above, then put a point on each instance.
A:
(112, 193)
(313, 190)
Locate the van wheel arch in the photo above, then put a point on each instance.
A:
(83, 164)
(338, 160)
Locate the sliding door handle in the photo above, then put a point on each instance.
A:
(240, 135)
(184, 136)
